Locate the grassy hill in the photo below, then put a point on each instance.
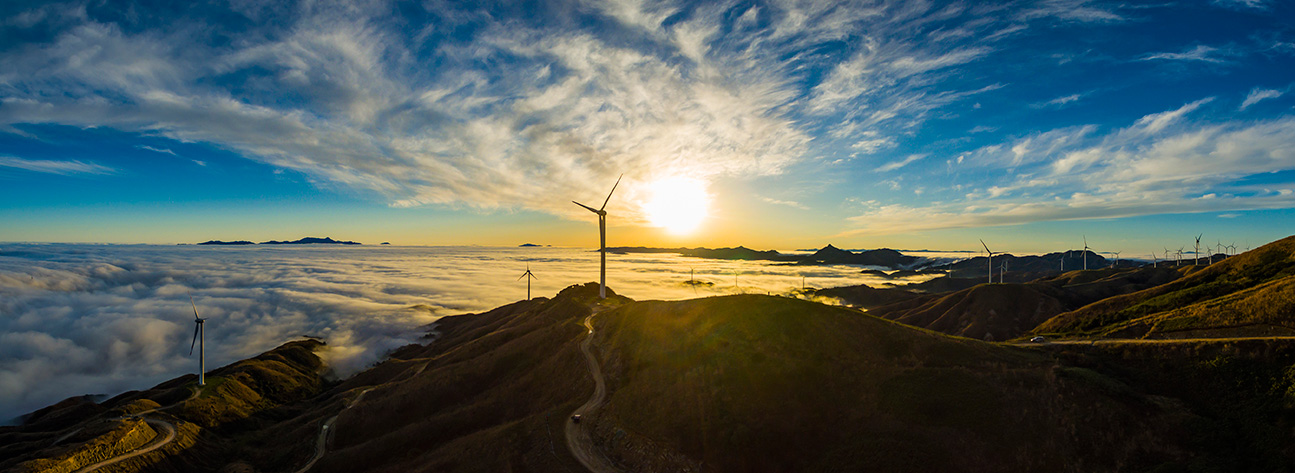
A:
(1248, 294)
(1006, 311)
(757, 383)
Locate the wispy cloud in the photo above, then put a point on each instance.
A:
(1161, 163)
(789, 203)
(1256, 95)
(1243, 4)
(1059, 102)
(66, 168)
(899, 164)
(1200, 53)
(157, 150)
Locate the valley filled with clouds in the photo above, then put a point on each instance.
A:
(103, 319)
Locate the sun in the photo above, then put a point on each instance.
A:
(677, 204)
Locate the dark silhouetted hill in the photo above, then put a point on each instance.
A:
(310, 241)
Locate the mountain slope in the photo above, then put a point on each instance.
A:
(1251, 293)
(757, 383)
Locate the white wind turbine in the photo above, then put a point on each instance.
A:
(1085, 253)
(1117, 259)
(1180, 256)
(199, 336)
(1155, 263)
(1002, 270)
(602, 238)
(991, 261)
(1197, 260)
(529, 275)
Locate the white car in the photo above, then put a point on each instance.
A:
(1038, 340)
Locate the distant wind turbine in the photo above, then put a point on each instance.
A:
(529, 276)
(1117, 259)
(199, 336)
(991, 261)
(1197, 260)
(1085, 253)
(1180, 256)
(1155, 263)
(602, 238)
(1002, 270)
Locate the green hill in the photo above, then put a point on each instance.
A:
(1248, 294)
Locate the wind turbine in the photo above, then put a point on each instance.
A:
(1002, 270)
(991, 261)
(199, 334)
(1155, 263)
(1180, 256)
(1117, 259)
(1063, 260)
(529, 275)
(1085, 253)
(1197, 260)
(602, 238)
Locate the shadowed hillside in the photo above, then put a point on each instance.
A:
(757, 383)
(1001, 311)
(1248, 294)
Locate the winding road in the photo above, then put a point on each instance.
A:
(321, 442)
(578, 440)
(155, 444)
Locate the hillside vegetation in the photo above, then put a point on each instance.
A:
(757, 383)
(1249, 294)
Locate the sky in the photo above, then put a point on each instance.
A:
(103, 319)
(781, 124)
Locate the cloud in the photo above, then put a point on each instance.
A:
(1200, 53)
(1159, 164)
(1059, 102)
(1243, 4)
(789, 203)
(65, 168)
(899, 164)
(157, 150)
(1256, 95)
(84, 319)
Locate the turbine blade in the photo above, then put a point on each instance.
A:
(591, 209)
(195, 307)
(519, 278)
(196, 327)
(982, 243)
(609, 194)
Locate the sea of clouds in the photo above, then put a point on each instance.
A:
(104, 319)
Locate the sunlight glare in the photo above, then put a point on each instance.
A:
(677, 204)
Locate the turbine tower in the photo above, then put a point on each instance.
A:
(1002, 270)
(1085, 253)
(1117, 260)
(602, 238)
(529, 275)
(1197, 260)
(991, 261)
(199, 336)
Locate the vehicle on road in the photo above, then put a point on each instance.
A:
(575, 419)
(1038, 340)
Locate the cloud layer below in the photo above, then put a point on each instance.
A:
(79, 319)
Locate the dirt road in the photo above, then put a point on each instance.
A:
(578, 440)
(160, 441)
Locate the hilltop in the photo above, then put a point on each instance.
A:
(827, 255)
(747, 383)
(1004, 311)
(303, 241)
(1248, 294)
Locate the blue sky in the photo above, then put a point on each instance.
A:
(897, 124)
